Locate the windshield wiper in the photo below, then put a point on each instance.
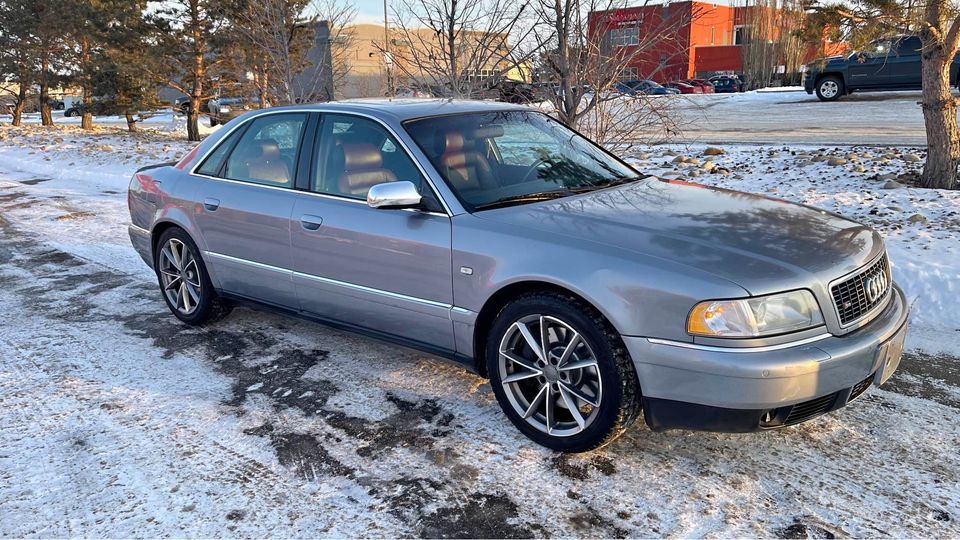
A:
(607, 184)
(525, 198)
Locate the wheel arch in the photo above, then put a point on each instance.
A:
(499, 299)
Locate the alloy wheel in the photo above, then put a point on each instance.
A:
(829, 89)
(550, 375)
(180, 276)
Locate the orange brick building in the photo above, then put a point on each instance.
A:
(699, 39)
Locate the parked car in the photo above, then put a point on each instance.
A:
(705, 86)
(726, 84)
(684, 87)
(516, 92)
(223, 109)
(891, 63)
(413, 92)
(644, 87)
(492, 235)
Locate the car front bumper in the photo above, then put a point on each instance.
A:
(686, 386)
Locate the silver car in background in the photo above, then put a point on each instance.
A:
(491, 235)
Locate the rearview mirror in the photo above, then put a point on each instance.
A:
(402, 194)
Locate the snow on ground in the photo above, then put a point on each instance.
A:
(115, 420)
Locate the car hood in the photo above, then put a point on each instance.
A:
(762, 244)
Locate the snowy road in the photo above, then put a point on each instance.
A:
(116, 420)
(889, 118)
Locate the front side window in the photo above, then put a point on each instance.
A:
(356, 153)
(267, 151)
(503, 158)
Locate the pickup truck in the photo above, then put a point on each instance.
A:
(891, 63)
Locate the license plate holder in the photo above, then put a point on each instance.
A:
(889, 354)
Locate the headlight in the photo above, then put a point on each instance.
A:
(755, 317)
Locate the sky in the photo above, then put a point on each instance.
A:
(370, 11)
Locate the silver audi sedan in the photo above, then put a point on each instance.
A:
(491, 235)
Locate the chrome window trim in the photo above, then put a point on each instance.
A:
(344, 284)
(882, 304)
(714, 348)
(396, 136)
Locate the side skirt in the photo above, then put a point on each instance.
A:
(462, 360)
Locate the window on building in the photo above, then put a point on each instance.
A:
(624, 37)
(713, 35)
(628, 74)
(741, 34)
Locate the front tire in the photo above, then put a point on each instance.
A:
(184, 282)
(830, 88)
(561, 373)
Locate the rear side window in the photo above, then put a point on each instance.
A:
(214, 162)
(267, 151)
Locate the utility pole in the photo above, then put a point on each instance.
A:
(387, 57)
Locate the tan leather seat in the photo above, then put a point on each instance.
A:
(266, 164)
(362, 167)
(464, 167)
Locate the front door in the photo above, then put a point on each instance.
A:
(243, 208)
(386, 271)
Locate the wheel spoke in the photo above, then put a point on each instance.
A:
(194, 295)
(185, 297)
(176, 248)
(514, 377)
(544, 337)
(550, 408)
(521, 361)
(571, 404)
(580, 395)
(579, 364)
(174, 283)
(571, 345)
(531, 341)
(537, 400)
(171, 258)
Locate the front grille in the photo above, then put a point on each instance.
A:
(865, 290)
(860, 388)
(808, 409)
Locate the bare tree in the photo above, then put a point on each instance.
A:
(584, 62)
(281, 46)
(339, 15)
(774, 42)
(459, 45)
(937, 23)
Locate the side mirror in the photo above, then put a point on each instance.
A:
(402, 194)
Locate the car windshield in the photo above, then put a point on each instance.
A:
(496, 159)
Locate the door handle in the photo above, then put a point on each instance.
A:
(211, 204)
(311, 223)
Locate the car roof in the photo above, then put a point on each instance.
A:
(402, 109)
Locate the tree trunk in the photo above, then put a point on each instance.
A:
(46, 116)
(940, 120)
(131, 123)
(193, 120)
(86, 121)
(18, 106)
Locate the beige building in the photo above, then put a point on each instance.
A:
(366, 74)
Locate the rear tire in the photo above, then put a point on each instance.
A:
(830, 88)
(184, 281)
(572, 398)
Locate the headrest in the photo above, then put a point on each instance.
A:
(357, 156)
(269, 149)
(449, 141)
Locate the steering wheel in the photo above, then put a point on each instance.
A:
(533, 168)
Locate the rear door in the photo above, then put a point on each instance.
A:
(874, 67)
(243, 207)
(906, 68)
(386, 271)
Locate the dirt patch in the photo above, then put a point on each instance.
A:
(479, 516)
